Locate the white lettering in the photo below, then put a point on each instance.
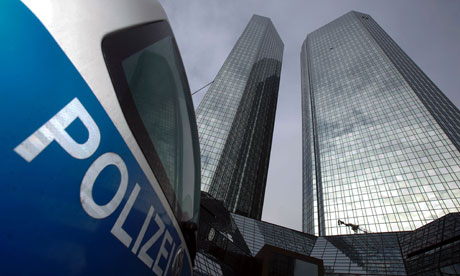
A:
(162, 253)
(54, 129)
(171, 255)
(117, 229)
(143, 252)
(86, 189)
(143, 230)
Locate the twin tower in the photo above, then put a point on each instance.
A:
(381, 143)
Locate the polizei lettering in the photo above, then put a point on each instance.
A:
(54, 130)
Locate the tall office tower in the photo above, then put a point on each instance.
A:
(380, 141)
(236, 118)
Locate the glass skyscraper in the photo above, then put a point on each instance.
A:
(380, 141)
(236, 117)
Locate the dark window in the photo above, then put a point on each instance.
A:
(151, 86)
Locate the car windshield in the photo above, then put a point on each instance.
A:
(158, 89)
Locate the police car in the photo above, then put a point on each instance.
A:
(99, 148)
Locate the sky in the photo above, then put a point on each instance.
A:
(206, 30)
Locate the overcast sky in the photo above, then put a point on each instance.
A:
(206, 30)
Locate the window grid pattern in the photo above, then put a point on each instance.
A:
(258, 233)
(441, 108)
(309, 191)
(236, 118)
(368, 254)
(205, 265)
(434, 247)
(217, 110)
(386, 164)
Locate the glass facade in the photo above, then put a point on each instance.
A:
(236, 117)
(258, 233)
(433, 249)
(368, 254)
(221, 249)
(230, 244)
(380, 141)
